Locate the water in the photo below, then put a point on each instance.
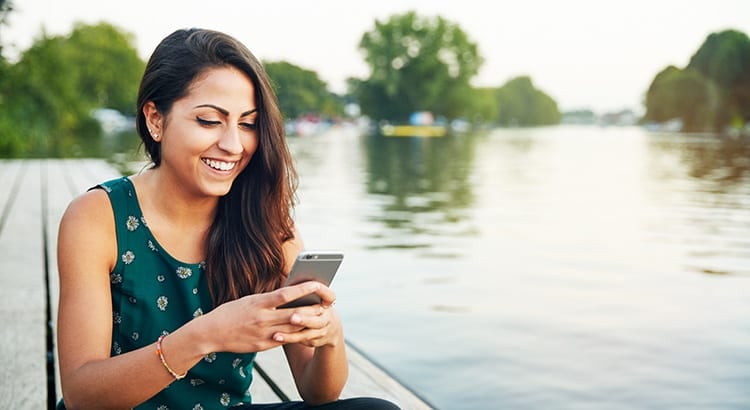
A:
(564, 267)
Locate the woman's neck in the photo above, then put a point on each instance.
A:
(163, 198)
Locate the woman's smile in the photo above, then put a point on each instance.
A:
(219, 165)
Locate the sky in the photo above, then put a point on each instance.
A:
(595, 54)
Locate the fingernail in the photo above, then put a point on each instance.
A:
(295, 319)
(278, 338)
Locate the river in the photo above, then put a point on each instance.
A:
(563, 267)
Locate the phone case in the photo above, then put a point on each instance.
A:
(320, 266)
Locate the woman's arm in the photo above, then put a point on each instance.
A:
(317, 353)
(87, 252)
(318, 361)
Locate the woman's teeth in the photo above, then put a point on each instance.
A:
(220, 165)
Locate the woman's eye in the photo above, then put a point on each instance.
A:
(249, 125)
(205, 122)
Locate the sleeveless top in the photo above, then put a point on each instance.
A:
(152, 295)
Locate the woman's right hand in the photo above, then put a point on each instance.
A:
(248, 324)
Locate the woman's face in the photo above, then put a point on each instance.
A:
(210, 135)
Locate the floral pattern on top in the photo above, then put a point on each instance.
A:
(162, 303)
(183, 272)
(132, 223)
(147, 302)
(128, 257)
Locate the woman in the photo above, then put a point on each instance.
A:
(165, 306)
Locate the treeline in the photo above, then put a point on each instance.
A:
(422, 63)
(48, 95)
(710, 94)
(416, 63)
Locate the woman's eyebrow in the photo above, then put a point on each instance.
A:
(217, 108)
(223, 111)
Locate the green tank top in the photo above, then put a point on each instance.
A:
(154, 294)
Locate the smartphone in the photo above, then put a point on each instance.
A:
(320, 266)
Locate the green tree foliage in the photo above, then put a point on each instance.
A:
(682, 94)
(107, 65)
(724, 58)
(301, 92)
(712, 92)
(521, 104)
(483, 106)
(417, 64)
(41, 103)
(6, 145)
(48, 95)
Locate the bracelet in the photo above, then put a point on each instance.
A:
(164, 361)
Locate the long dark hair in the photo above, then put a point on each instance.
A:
(244, 247)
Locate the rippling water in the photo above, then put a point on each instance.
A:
(565, 267)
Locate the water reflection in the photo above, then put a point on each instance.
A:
(725, 161)
(424, 184)
(701, 193)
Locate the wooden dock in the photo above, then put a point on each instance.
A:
(33, 196)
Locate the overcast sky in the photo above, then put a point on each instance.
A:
(596, 54)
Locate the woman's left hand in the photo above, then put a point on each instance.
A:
(321, 326)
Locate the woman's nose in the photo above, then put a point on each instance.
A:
(230, 141)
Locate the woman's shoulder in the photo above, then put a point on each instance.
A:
(90, 207)
(88, 226)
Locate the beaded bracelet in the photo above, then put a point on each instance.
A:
(164, 361)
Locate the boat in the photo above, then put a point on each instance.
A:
(413, 130)
(421, 124)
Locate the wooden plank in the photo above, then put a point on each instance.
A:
(59, 195)
(261, 391)
(9, 172)
(273, 362)
(80, 177)
(365, 379)
(23, 298)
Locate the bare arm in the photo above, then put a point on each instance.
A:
(316, 354)
(87, 252)
(318, 362)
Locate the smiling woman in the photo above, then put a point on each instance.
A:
(171, 277)
(211, 133)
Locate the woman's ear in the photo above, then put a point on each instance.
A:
(153, 120)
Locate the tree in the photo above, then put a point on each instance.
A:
(301, 91)
(417, 64)
(43, 102)
(724, 58)
(712, 92)
(48, 95)
(683, 94)
(521, 104)
(108, 68)
(483, 106)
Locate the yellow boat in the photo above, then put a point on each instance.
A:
(413, 130)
